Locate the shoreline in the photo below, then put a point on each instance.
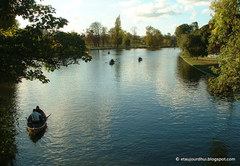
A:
(138, 47)
(202, 64)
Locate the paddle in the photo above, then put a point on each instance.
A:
(48, 116)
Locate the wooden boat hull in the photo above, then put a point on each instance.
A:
(35, 128)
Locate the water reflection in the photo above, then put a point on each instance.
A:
(118, 64)
(118, 52)
(127, 114)
(188, 75)
(8, 120)
(36, 137)
(218, 150)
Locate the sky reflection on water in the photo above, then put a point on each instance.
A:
(130, 113)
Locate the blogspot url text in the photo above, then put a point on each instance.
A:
(207, 159)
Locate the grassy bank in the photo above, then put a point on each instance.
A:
(203, 64)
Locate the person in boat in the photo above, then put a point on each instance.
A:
(36, 117)
(39, 110)
(111, 62)
(139, 59)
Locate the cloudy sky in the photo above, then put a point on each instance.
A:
(164, 15)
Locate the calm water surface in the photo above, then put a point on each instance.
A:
(131, 113)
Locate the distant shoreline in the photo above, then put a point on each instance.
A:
(140, 47)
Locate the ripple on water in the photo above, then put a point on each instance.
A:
(127, 114)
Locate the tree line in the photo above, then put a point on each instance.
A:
(24, 53)
(192, 40)
(221, 36)
(98, 35)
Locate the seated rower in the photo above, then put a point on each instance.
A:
(139, 59)
(36, 117)
(39, 110)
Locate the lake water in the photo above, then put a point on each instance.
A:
(130, 113)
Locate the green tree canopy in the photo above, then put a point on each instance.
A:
(154, 37)
(225, 33)
(169, 40)
(40, 16)
(104, 35)
(181, 30)
(127, 39)
(192, 40)
(118, 32)
(195, 43)
(192, 45)
(224, 22)
(24, 53)
(95, 29)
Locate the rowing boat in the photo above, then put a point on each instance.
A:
(35, 128)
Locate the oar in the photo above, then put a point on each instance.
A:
(48, 116)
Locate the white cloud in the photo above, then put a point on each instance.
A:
(75, 4)
(151, 11)
(195, 2)
(193, 16)
(190, 8)
(174, 26)
(126, 3)
(206, 11)
(189, 5)
(160, 1)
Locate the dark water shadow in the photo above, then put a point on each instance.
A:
(218, 150)
(35, 137)
(188, 75)
(8, 122)
(153, 49)
(218, 98)
(118, 52)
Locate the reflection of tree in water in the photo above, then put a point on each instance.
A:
(118, 52)
(218, 150)
(7, 124)
(38, 136)
(117, 68)
(117, 65)
(218, 98)
(188, 74)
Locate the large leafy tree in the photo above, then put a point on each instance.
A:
(224, 23)
(182, 30)
(226, 35)
(127, 39)
(104, 36)
(95, 29)
(192, 45)
(118, 32)
(134, 35)
(195, 43)
(38, 15)
(24, 53)
(192, 40)
(154, 37)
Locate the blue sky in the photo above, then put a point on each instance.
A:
(164, 15)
